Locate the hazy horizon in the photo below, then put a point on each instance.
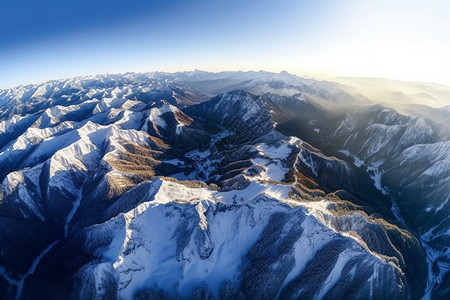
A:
(399, 40)
(331, 78)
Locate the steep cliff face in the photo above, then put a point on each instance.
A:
(127, 186)
(180, 241)
(237, 111)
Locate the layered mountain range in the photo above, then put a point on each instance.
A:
(232, 185)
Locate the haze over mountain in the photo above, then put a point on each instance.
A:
(47, 39)
(227, 185)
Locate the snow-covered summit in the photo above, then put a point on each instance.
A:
(220, 185)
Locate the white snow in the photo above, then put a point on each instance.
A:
(72, 212)
(252, 109)
(255, 189)
(272, 169)
(376, 174)
(156, 113)
(179, 129)
(149, 230)
(155, 116)
(335, 274)
(144, 250)
(28, 200)
(308, 161)
(12, 181)
(275, 151)
(7, 277)
(316, 207)
(174, 161)
(8, 124)
(32, 268)
(356, 160)
(442, 204)
(313, 235)
(151, 234)
(171, 191)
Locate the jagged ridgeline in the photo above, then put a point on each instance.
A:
(233, 185)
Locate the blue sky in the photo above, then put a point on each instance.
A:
(42, 40)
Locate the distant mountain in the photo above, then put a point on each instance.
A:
(227, 185)
(394, 92)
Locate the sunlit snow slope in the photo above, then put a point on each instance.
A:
(231, 185)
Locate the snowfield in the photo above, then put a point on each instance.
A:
(232, 185)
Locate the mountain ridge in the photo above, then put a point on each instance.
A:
(84, 170)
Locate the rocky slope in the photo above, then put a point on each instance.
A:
(137, 186)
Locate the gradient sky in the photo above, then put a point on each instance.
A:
(399, 39)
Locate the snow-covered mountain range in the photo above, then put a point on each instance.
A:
(232, 185)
